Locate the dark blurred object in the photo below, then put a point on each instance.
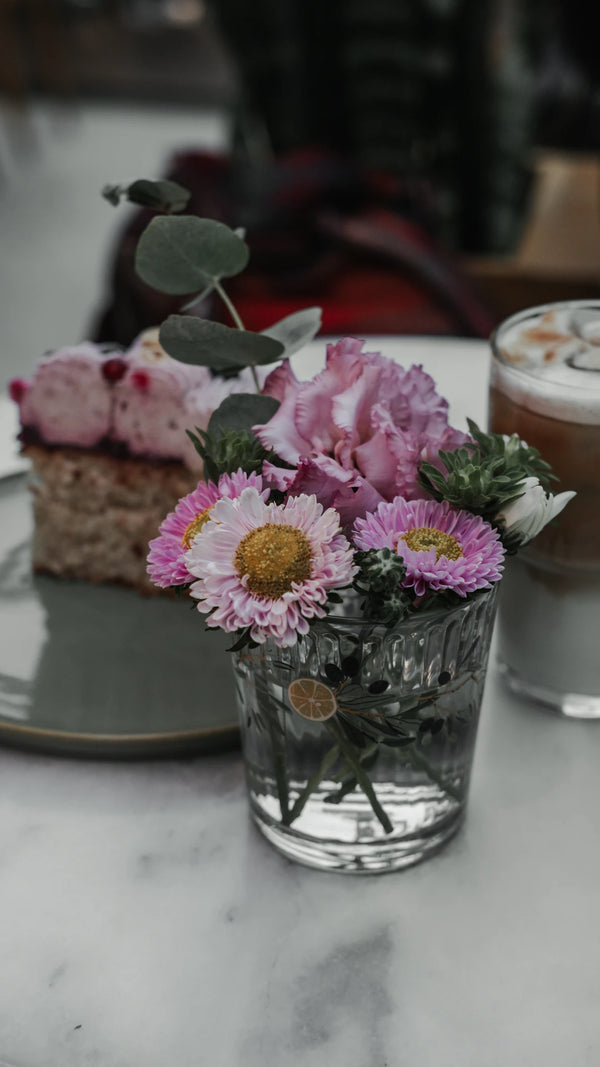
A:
(34, 48)
(428, 91)
(558, 257)
(569, 117)
(166, 51)
(321, 230)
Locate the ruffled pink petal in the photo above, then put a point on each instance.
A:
(321, 475)
(351, 411)
(315, 415)
(377, 462)
(355, 502)
(281, 433)
(281, 381)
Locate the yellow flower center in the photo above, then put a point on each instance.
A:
(195, 526)
(423, 537)
(273, 557)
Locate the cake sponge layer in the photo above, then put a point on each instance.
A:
(95, 514)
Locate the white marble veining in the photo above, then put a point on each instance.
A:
(145, 921)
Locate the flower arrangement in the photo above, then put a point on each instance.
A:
(348, 496)
(356, 494)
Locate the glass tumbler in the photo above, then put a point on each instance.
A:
(545, 386)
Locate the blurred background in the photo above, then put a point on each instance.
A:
(415, 166)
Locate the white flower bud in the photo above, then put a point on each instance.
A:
(530, 512)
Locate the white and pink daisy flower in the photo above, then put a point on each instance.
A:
(269, 567)
(166, 558)
(442, 547)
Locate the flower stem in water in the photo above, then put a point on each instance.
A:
(327, 762)
(362, 777)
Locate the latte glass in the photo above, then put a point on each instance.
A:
(545, 386)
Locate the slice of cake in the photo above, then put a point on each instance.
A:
(105, 433)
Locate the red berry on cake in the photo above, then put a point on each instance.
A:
(140, 379)
(17, 389)
(114, 368)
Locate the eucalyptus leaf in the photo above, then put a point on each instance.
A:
(296, 330)
(242, 411)
(182, 254)
(210, 344)
(162, 195)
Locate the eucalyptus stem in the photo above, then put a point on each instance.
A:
(255, 376)
(362, 778)
(240, 325)
(229, 305)
(420, 762)
(327, 762)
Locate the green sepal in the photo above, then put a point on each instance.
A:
(485, 475)
(229, 452)
(381, 572)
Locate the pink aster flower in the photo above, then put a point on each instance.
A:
(442, 547)
(268, 566)
(166, 559)
(357, 432)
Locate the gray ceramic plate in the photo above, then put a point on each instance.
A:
(101, 671)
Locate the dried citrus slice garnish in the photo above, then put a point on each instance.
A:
(311, 699)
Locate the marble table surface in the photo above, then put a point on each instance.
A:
(144, 920)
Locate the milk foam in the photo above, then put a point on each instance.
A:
(548, 361)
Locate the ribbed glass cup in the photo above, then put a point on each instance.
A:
(383, 782)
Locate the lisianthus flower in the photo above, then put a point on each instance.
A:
(357, 432)
(166, 558)
(442, 547)
(526, 516)
(267, 566)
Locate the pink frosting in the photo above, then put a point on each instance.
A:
(152, 411)
(141, 399)
(68, 400)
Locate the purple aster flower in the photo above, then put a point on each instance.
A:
(166, 558)
(442, 547)
(268, 566)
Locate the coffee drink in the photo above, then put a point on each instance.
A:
(545, 386)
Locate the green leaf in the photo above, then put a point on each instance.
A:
(244, 641)
(180, 255)
(162, 195)
(242, 411)
(210, 344)
(296, 330)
